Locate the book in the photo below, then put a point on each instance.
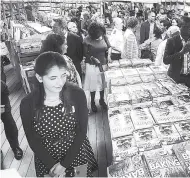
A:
(147, 78)
(131, 167)
(111, 101)
(167, 133)
(146, 139)
(182, 151)
(113, 64)
(120, 125)
(142, 118)
(129, 72)
(131, 80)
(183, 98)
(124, 147)
(122, 98)
(183, 128)
(125, 63)
(161, 76)
(113, 74)
(164, 102)
(141, 62)
(144, 71)
(159, 69)
(163, 164)
(169, 114)
(120, 81)
(119, 89)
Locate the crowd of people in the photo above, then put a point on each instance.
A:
(55, 114)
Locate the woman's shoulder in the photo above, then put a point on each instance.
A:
(74, 90)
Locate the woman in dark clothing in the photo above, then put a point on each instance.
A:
(95, 47)
(55, 118)
(57, 43)
(11, 130)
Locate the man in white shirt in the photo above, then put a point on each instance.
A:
(116, 40)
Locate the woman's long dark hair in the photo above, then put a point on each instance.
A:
(53, 42)
(44, 62)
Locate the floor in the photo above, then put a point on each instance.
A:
(98, 133)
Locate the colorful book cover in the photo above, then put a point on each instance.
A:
(163, 164)
(146, 139)
(167, 133)
(183, 128)
(142, 118)
(161, 76)
(132, 167)
(120, 125)
(182, 151)
(124, 147)
(141, 62)
(151, 87)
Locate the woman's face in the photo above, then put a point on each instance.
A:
(54, 80)
(174, 22)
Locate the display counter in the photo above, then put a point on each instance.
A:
(149, 118)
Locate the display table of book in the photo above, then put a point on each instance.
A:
(149, 118)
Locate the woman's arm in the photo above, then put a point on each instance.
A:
(81, 130)
(34, 141)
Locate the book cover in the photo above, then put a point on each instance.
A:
(182, 151)
(147, 78)
(183, 98)
(131, 80)
(146, 139)
(119, 89)
(169, 114)
(122, 98)
(132, 167)
(125, 63)
(124, 147)
(113, 74)
(113, 64)
(161, 76)
(120, 125)
(130, 72)
(142, 118)
(159, 69)
(144, 71)
(164, 102)
(163, 164)
(120, 81)
(183, 128)
(167, 133)
(111, 101)
(141, 62)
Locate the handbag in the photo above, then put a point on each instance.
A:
(79, 171)
(94, 61)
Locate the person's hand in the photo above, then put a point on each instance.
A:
(57, 170)
(186, 48)
(109, 59)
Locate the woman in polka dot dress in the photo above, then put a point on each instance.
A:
(55, 118)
